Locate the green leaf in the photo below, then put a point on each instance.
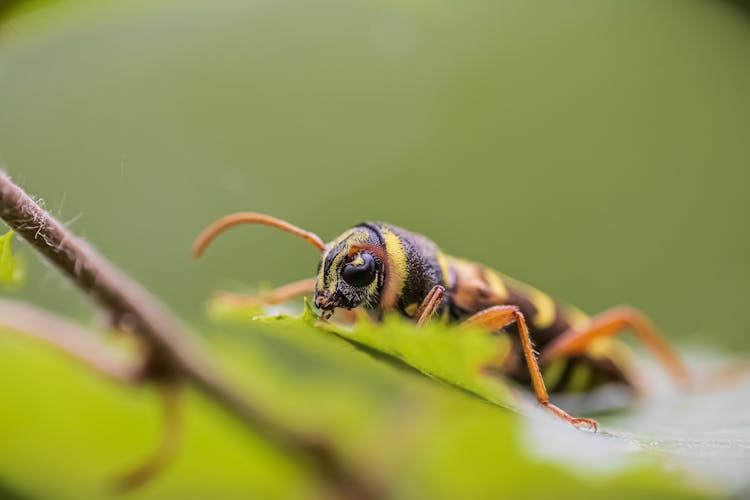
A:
(11, 267)
(671, 425)
(415, 438)
(435, 350)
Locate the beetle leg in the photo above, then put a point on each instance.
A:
(279, 295)
(613, 322)
(430, 304)
(276, 296)
(497, 317)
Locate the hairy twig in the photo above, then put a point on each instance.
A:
(173, 353)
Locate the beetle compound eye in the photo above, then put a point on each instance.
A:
(361, 271)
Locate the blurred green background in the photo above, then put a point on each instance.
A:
(597, 149)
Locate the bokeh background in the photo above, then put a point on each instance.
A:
(596, 149)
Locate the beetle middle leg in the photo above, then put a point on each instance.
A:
(497, 317)
(611, 323)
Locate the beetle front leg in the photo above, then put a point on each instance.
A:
(430, 304)
(278, 295)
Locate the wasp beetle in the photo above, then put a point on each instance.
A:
(383, 268)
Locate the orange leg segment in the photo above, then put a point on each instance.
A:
(280, 295)
(429, 305)
(613, 322)
(497, 317)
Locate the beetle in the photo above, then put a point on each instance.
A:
(383, 268)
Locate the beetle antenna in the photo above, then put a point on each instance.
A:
(235, 219)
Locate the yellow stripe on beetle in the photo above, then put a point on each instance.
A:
(443, 263)
(397, 267)
(545, 309)
(543, 303)
(496, 284)
(411, 309)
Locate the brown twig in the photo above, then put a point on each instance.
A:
(171, 438)
(173, 352)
